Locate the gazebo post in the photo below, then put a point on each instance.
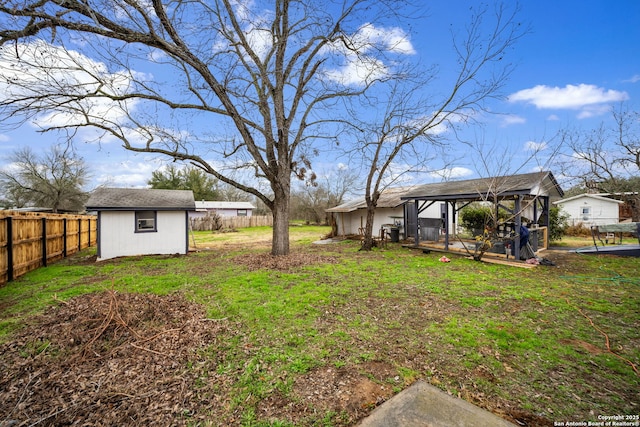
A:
(446, 225)
(517, 230)
(417, 235)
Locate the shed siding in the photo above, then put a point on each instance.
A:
(118, 236)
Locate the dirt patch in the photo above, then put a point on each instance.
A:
(579, 344)
(351, 392)
(347, 389)
(111, 359)
(282, 262)
(564, 260)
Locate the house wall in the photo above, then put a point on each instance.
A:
(221, 212)
(351, 222)
(117, 236)
(600, 211)
(231, 212)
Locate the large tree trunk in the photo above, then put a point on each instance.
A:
(367, 244)
(280, 242)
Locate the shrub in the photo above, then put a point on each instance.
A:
(476, 217)
(578, 230)
(558, 223)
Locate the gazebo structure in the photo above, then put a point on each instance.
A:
(531, 193)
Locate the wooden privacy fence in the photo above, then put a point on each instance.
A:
(207, 222)
(32, 240)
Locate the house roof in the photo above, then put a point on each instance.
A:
(598, 197)
(532, 184)
(389, 198)
(126, 199)
(204, 205)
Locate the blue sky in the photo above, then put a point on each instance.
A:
(580, 59)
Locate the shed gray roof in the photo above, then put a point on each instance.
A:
(532, 184)
(389, 198)
(127, 199)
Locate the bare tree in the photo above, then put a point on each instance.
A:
(410, 126)
(51, 180)
(607, 159)
(229, 193)
(311, 201)
(265, 81)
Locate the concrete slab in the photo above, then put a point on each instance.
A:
(423, 405)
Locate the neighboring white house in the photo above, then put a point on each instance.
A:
(351, 217)
(223, 208)
(133, 221)
(591, 209)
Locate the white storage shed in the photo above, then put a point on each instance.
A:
(134, 221)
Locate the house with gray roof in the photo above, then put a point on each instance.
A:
(223, 208)
(591, 209)
(140, 221)
(349, 218)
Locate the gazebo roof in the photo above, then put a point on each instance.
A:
(528, 184)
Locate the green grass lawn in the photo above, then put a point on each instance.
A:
(518, 342)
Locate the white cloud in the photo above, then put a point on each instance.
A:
(126, 173)
(358, 66)
(391, 39)
(512, 120)
(157, 56)
(553, 118)
(594, 110)
(569, 97)
(451, 173)
(31, 70)
(358, 71)
(634, 79)
(535, 146)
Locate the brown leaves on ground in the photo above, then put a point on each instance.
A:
(282, 262)
(112, 359)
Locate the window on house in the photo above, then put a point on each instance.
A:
(586, 212)
(145, 221)
(242, 212)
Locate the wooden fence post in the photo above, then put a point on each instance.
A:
(79, 234)
(9, 249)
(64, 238)
(44, 241)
